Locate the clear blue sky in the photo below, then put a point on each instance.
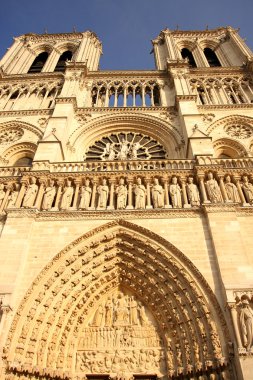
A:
(124, 27)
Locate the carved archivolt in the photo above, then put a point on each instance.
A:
(127, 293)
(229, 147)
(230, 120)
(94, 130)
(9, 125)
(17, 151)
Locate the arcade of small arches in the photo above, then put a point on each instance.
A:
(29, 96)
(126, 93)
(163, 320)
(227, 90)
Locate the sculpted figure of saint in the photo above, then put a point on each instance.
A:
(67, 196)
(140, 194)
(246, 322)
(2, 193)
(192, 192)
(123, 150)
(231, 190)
(213, 189)
(85, 195)
(157, 194)
(13, 196)
(175, 193)
(49, 195)
(247, 189)
(103, 192)
(31, 193)
(121, 192)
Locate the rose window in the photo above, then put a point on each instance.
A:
(125, 146)
(10, 135)
(239, 131)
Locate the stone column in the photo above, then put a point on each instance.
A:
(111, 199)
(223, 190)
(185, 199)
(241, 195)
(148, 206)
(77, 185)
(39, 197)
(24, 182)
(130, 194)
(165, 181)
(202, 188)
(93, 196)
(58, 195)
(233, 311)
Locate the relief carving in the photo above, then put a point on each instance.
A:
(13, 196)
(121, 336)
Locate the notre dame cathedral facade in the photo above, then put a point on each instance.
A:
(126, 210)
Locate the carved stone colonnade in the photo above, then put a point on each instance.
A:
(44, 338)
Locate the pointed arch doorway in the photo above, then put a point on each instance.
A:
(119, 302)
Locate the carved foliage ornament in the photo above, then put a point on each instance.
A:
(239, 131)
(11, 135)
(126, 146)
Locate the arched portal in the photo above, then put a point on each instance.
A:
(118, 301)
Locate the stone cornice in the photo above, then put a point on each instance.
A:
(30, 77)
(122, 109)
(225, 106)
(26, 113)
(224, 71)
(153, 74)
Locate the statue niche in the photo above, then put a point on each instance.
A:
(121, 337)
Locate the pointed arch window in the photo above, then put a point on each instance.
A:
(38, 63)
(61, 64)
(211, 57)
(186, 53)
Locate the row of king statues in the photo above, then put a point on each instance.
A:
(126, 195)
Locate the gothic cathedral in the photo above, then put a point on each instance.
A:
(126, 210)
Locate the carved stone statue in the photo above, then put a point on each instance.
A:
(98, 318)
(86, 192)
(192, 192)
(67, 196)
(124, 149)
(157, 194)
(140, 195)
(108, 312)
(231, 190)
(13, 196)
(103, 192)
(213, 189)
(247, 189)
(2, 193)
(175, 193)
(121, 192)
(31, 193)
(246, 323)
(134, 150)
(49, 195)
